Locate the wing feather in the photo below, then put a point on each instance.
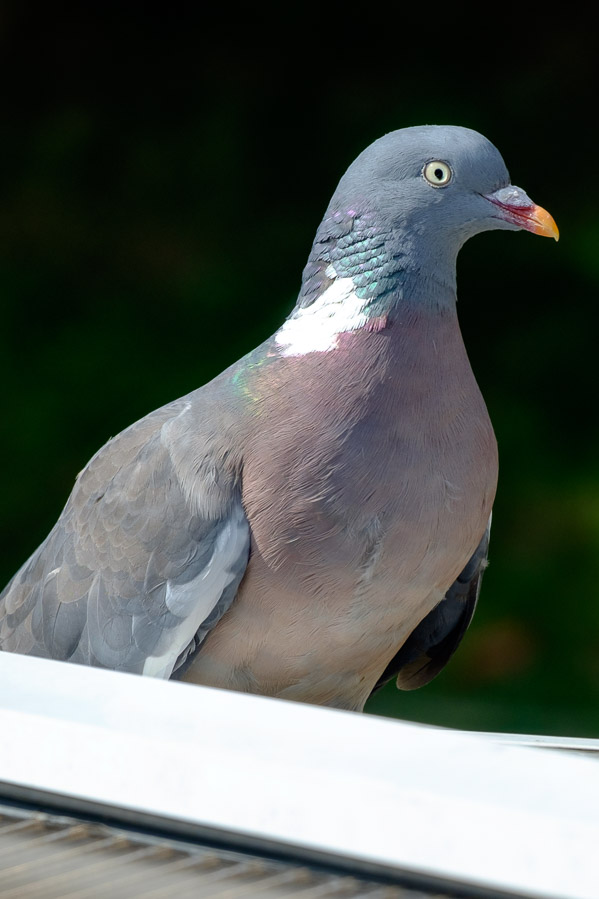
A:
(132, 577)
(433, 642)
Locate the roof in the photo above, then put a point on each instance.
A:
(383, 801)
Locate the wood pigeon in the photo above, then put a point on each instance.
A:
(315, 520)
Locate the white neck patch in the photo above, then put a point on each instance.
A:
(316, 328)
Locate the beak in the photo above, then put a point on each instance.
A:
(514, 206)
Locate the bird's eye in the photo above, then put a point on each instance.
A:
(437, 173)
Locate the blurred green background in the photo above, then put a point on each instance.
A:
(162, 180)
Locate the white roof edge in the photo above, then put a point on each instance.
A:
(541, 741)
(574, 744)
(458, 807)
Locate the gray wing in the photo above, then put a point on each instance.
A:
(145, 558)
(433, 642)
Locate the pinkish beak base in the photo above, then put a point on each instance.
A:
(515, 207)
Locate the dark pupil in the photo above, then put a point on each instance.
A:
(439, 174)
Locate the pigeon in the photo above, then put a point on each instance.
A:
(313, 522)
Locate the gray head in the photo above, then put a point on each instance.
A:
(404, 208)
(437, 184)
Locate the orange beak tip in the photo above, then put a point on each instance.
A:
(543, 222)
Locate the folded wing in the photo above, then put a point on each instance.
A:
(433, 642)
(140, 565)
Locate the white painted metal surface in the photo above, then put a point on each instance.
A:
(463, 808)
(569, 744)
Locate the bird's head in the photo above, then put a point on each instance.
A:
(402, 211)
(438, 184)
